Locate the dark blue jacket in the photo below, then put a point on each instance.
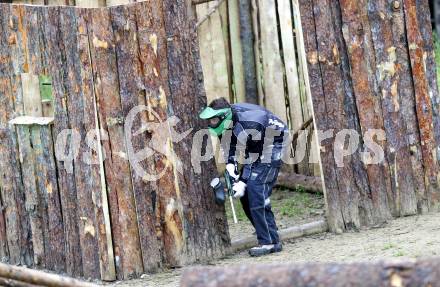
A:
(257, 131)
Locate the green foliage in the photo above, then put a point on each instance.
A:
(285, 203)
(388, 246)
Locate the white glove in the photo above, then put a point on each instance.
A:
(230, 167)
(239, 189)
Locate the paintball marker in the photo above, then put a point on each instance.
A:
(219, 191)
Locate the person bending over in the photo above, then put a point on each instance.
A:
(251, 132)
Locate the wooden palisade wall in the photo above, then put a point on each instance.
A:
(102, 220)
(371, 66)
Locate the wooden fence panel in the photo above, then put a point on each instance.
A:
(80, 215)
(377, 93)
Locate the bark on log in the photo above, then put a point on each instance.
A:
(39, 278)
(387, 273)
(295, 181)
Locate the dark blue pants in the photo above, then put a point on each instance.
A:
(256, 203)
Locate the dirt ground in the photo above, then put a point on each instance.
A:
(410, 237)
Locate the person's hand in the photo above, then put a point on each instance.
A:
(239, 189)
(232, 170)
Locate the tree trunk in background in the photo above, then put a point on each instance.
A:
(247, 46)
(358, 63)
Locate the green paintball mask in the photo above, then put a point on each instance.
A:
(219, 120)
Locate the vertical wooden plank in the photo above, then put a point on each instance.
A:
(403, 200)
(358, 39)
(127, 249)
(274, 98)
(11, 185)
(66, 180)
(407, 104)
(423, 100)
(17, 39)
(290, 63)
(132, 89)
(224, 19)
(205, 38)
(33, 206)
(236, 52)
(77, 120)
(192, 206)
(425, 26)
(247, 44)
(331, 189)
(213, 54)
(96, 181)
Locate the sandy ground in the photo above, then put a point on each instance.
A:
(410, 237)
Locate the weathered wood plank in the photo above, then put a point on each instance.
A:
(213, 55)
(274, 94)
(131, 34)
(77, 119)
(358, 38)
(290, 64)
(423, 100)
(331, 192)
(14, 64)
(194, 206)
(48, 185)
(66, 180)
(236, 52)
(334, 99)
(119, 186)
(247, 46)
(96, 181)
(407, 104)
(33, 200)
(403, 198)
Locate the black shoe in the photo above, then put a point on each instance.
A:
(278, 247)
(262, 250)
